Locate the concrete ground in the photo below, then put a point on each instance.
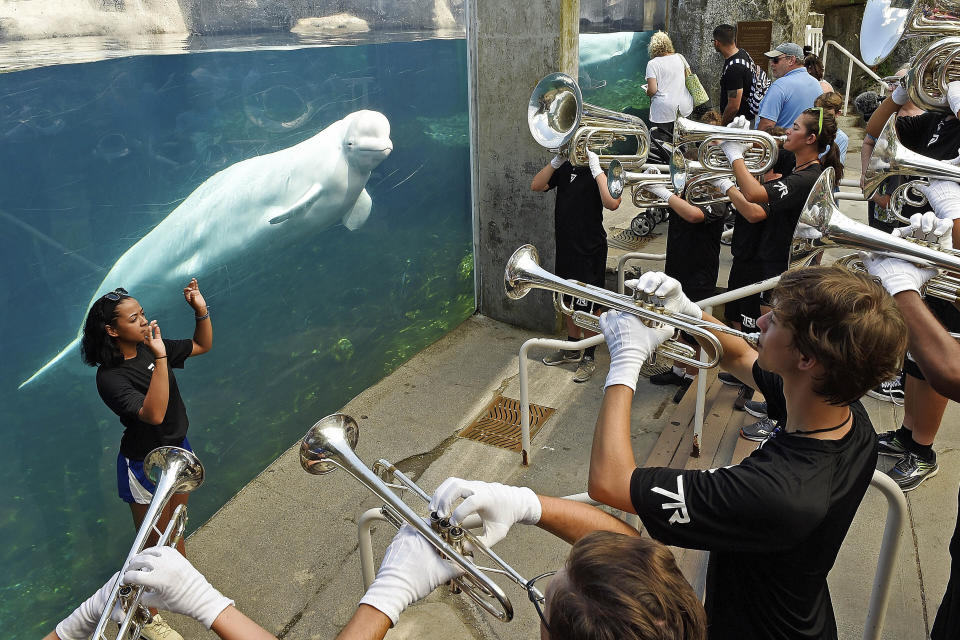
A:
(286, 548)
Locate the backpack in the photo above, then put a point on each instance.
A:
(758, 88)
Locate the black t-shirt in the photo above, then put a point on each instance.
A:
(578, 213)
(736, 74)
(773, 523)
(786, 197)
(935, 135)
(693, 249)
(123, 389)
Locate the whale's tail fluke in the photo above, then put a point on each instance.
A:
(67, 350)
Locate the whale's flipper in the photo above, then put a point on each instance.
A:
(355, 218)
(299, 207)
(57, 358)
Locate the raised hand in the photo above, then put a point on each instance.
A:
(631, 343)
(499, 506)
(154, 340)
(594, 162)
(660, 285)
(194, 298)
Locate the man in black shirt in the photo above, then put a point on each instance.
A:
(581, 242)
(738, 77)
(775, 522)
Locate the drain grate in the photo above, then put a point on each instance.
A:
(626, 239)
(499, 423)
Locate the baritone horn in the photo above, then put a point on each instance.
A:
(759, 157)
(837, 230)
(891, 158)
(561, 121)
(618, 178)
(524, 273)
(935, 66)
(887, 22)
(329, 444)
(180, 472)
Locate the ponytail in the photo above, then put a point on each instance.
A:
(826, 137)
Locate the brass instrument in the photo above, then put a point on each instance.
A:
(759, 157)
(837, 230)
(330, 443)
(891, 158)
(618, 178)
(887, 22)
(934, 67)
(180, 472)
(562, 122)
(524, 273)
(695, 182)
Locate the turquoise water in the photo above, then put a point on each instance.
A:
(97, 154)
(613, 69)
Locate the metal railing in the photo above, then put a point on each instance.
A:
(852, 59)
(813, 38)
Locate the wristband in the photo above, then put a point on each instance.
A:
(204, 316)
(159, 357)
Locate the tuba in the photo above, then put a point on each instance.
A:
(935, 66)
(887, 22)
(759, 158)
(562, 122)
(892, 158)
(180, 472)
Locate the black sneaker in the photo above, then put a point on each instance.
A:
(728, 378)
(561, 357)
(911, 470)
(759, 430)
(756, 409)
(890, 391)
(890, 445)
(667, 377)
(746, 393)
(684, 385)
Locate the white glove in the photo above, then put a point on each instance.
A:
(651, 170)
(662, 286)
(723, 184)
(899, 95)
(733, 150)
(804, 230)
(943, 196)
(631, 343)
(928, 227)
(410, 570)
(173, 584)
(740, 122)
(81, 624)
(499, 506)
(557, 161)
(953, 96)
(660, 191)
(594, 161)
(896, 275)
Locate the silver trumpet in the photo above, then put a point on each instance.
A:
(561, 121)
(759, 157)
(618, 178)
(330, 443)
(180, 472)
(524, 273)
(837, 230)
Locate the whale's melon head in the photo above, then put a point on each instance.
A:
(366, 142)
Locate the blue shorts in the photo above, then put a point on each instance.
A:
(133, 484)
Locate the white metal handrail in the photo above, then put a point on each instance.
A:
(813, 38)
(852, 59)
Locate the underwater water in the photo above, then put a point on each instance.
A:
(612, 70)
(95, 155)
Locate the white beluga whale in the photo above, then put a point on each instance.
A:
(302, 189)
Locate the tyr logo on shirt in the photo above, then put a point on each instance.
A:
(150, 368)
(680, 516)
(782, 188)
(936, 134)
(573, 177)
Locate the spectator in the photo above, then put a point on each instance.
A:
(792, 91)
(666, 85)
(742, 82)
(815, 68)
(833, 101)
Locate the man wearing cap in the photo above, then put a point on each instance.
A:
(792, 91)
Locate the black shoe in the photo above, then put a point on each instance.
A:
(667, 377)
(891, 391)
(746, 393)
(728, 378)
(890, 444)
(911, 470)
(756, 409)
(684, 385)
(759, 430)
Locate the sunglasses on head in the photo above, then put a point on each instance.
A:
(116, 295)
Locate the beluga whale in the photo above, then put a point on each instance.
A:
(302, 189)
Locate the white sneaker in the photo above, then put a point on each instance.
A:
(159, 630)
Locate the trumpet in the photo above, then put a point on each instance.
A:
(887, 22)
(329, 444)
(180, 472)
(837, 230)
(759, 157)
(524, 273)
(561, 121)
(892, 158)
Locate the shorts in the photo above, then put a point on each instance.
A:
(133, 484)
(949, 316)
(746, 311)
(587, 268)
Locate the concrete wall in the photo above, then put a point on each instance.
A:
(511, 46)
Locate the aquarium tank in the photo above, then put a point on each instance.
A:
(146, 142)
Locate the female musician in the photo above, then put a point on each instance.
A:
(135, 380)
(666, 83)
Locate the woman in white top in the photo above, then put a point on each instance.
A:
(666, 86)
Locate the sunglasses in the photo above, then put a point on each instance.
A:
(116, 295)
(538, 599)
(776, 60)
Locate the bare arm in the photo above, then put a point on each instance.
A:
(933, 349)
(611, 458)
(879, 118)
(367, 623)
(158, 392)
(541, 181)
(609, 202)
(231, 624)
(685, 210)
(570, 521)
(749, 186)
(733, 105)
(752, 212)
(738, 356)
(203, 333)
(651, 86)
(765, 124)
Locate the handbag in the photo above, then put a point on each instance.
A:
(697, 92)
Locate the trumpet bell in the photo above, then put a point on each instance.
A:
(517, 266)
(190, 474)
(321, 447)
(555, 110)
